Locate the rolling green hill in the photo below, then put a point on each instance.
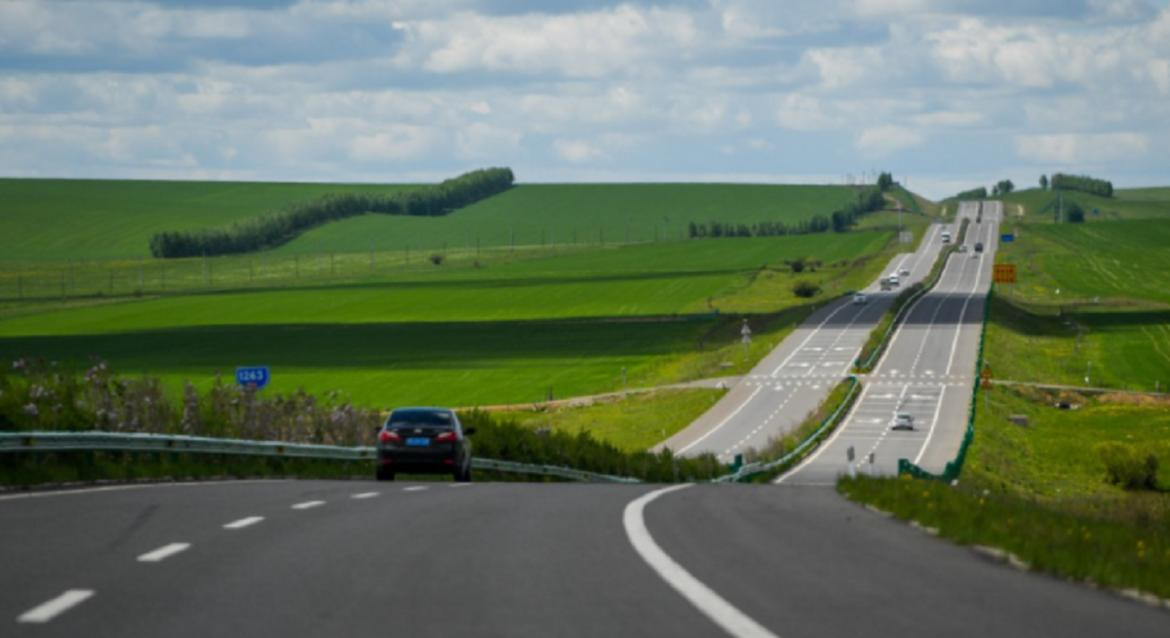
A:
(1133, 203)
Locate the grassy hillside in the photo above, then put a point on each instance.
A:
(1110, 320)
(537, 214)
(60, 219)
(1137, 203)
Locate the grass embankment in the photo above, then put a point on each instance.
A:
(1110, 321)
(1042, 492)
(632, 424)
(879, 337)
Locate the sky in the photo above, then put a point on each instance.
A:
(945, 94)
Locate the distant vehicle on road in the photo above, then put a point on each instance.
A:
(946, 236)
(978, 246)
(424, 441)
(903, 421)
(962, 248)
(905, 272)
(885, 284)
(859, 299)
(893, 279)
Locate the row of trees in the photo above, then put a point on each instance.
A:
(274, 229)
(1002, 187)
(868, 201)
(1083, 183)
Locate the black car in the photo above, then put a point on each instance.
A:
(424, 441)
(978, 246)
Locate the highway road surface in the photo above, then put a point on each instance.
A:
(799, 373)
(928, 371)
(355, 558)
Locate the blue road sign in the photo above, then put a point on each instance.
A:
(1007, 238)
(255, 376)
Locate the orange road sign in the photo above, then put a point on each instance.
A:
(1004, 273)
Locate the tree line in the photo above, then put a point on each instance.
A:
(274, 229)
(1083, 183)
(868, 201)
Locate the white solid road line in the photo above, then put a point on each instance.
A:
(307, 504)
(721, 423)
(933, 425)
(824, 446)
(414, 488)
(244, 522)
(120, 488)
(730, 619)
(361, 495)
(164, 552)
(49, 610)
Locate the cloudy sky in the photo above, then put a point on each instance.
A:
(947, 94)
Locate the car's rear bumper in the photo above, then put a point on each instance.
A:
(420, 462)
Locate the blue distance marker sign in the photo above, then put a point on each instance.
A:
(1007, 238)
(255, 376)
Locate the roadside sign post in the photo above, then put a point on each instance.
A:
(253, 376)
(849, 455)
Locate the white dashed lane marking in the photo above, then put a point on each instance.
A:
(244, 522)
(163, 553)
(49, 610)
(307, 505)
(361, 495)
(414, 488)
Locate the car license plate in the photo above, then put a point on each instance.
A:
(418, 441)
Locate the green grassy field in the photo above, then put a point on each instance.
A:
(1110, 320)
(61, 219)
(1133, 203)
(633, 424)
(578, 214)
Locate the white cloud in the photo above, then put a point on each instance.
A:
(576, 150)
(884, 140)
(804, 113)
(948, 119)
(1074, 149)
(483, 141)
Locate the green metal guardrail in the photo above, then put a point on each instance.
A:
(746, 472)
(955, 466)
(26, 442)
(944, 256)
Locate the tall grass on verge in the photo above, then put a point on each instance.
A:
(39, 397)
(1127, 548)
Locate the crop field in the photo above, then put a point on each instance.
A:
(65, 219)
(578, 214)
(1134, 203)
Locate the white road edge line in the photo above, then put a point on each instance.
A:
(361, 495)
(164, 552)
(730, 619)
(49, 610)
(307, 504)
(933, 425)
(824, 446)
(721, 423)
(119, 488)
(243, 522)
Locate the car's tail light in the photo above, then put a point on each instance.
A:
(446, 437)
(389, 436)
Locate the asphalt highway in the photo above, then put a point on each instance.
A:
(928, 372)
(353, 558)
(799, 373)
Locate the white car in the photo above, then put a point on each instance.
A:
(962, 248)
(859, 299)
(902, 421)
(893, 279)
(905, 272)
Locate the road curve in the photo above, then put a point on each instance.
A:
(507, 559)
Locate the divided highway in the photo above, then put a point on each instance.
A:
(795, 377)
(354, 558)
(927, 371)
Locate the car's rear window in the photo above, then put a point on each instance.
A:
(432, 418)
